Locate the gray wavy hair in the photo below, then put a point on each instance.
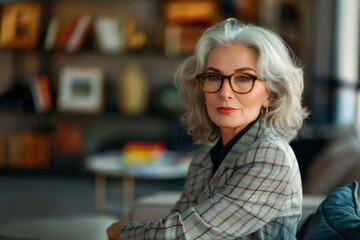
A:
(276, 62)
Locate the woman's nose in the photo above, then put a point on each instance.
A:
(225, 90)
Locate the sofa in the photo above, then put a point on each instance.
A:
(329, 157)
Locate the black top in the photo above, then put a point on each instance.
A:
(219, 152)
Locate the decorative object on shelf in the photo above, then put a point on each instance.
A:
(135, 40)
(167, 102)
(20, 25)
(132, 90)
(81, 90)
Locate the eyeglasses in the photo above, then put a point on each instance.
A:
(242, 83)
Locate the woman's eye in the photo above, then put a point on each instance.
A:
(212, 77)
(242, 78)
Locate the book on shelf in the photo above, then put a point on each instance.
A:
(78, 36)
(41, 93)
(191, 12)
(14, 150)
(28, 150)
(36, 95)
(52, 34)
(184, 23)
(2, 150)
(181, 39)
(45, 92)
(69, 138)
(36, 150)
(109, 34)
(65, 33)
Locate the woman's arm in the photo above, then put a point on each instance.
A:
(253, 196)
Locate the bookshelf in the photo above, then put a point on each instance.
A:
(74, 34)
(81, 35)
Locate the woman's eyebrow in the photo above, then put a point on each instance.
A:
(237, 70)
(245, 69)
(213, 69)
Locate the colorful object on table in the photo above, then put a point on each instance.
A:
(143, 152)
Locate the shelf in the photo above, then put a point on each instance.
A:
(108, 117)
(17, 122)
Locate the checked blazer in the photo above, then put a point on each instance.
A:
(255, 193)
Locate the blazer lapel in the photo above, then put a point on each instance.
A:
(234, 155)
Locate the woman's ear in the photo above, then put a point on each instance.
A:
(267, 100)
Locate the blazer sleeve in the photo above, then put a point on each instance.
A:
(189, 191)
(254, 195)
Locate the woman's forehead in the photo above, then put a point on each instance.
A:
(231, 58)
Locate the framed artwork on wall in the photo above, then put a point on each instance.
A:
(81, 90)
(20, 23)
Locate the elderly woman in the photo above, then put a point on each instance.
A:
(242, 93)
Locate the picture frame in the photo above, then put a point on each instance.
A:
(81, 90)
(20, 25)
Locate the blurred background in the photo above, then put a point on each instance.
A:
(82, 77)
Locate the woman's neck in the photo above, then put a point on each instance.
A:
(229, 133)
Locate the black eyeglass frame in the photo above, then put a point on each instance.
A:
(253, 78)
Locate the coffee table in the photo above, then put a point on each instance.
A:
(173, 165)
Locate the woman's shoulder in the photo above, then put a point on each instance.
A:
(201, 154)
(271, 149)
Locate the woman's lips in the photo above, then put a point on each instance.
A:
(225, 110)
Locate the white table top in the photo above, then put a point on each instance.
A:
(89, 227)
(172, 165)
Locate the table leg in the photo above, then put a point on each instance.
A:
(100, 193)
(116, 192)
(128, 195)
